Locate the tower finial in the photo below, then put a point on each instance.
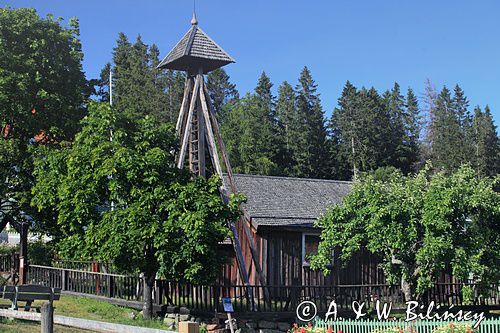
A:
(194, 21)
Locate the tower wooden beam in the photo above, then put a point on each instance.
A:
(187, 130)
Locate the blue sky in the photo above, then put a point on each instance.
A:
(370, 43)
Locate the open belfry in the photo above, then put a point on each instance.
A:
(197, 54)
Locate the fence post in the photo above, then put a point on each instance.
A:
(110, 286)
(47, 318)
(64, 282)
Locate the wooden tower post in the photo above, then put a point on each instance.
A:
(197, 54)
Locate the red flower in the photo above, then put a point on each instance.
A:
(330, 329)
(302, 330)
(340, 331)
(309, 324)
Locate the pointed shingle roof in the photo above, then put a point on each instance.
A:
(196, 50)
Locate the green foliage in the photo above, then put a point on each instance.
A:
(248, 134)
(309, 148)
(139, 87)
(6, 248)
(42, 92)
(221, 92)
(467, 295)
(41, 253)
(42, 85)
(454, 328)
(420, 225)
(486, 158)
(124, 201)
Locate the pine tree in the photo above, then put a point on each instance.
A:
(159, 98)
(263, 92)
(397, 152)
(101, 85)
(446, 134)
(412, 124)
(361, 131)
(250, 132)
(176, 82)
(221, 92)
(288, 126)
(134, 85)
(247, 133)
(140, 87)
(465, 135)
(428, 111)
(311, 156)
(487, 143)
(344, 134)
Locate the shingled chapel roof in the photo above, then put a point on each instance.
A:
(196, 50)
(287, 201)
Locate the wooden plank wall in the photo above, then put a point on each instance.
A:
(281, 261)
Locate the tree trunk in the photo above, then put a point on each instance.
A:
(147, 308)
(407, 290)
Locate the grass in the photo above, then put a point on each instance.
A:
(21, 326)
(88, 308)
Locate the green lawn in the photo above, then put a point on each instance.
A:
(88, 308)
(21, 326)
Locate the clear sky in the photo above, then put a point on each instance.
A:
(370, 42)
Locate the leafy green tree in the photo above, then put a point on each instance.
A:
(42, 95)
(420, 226)
(221, 92)
(42, 84)
(486, 142)
(124, 201)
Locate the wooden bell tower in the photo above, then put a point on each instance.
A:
(197, 54)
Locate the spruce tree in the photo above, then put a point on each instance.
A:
(248, 134)
(288, 127)
(221, 92)
(362, 133)
(465, 135)
(397, 151)
(344, 133)
(412, 124)
(159, 99)
(487, 143)
(140, 87)
(101, 85)
(311, 155)
(446, 134)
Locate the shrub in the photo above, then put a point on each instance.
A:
(41, 253)
(454, 328)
